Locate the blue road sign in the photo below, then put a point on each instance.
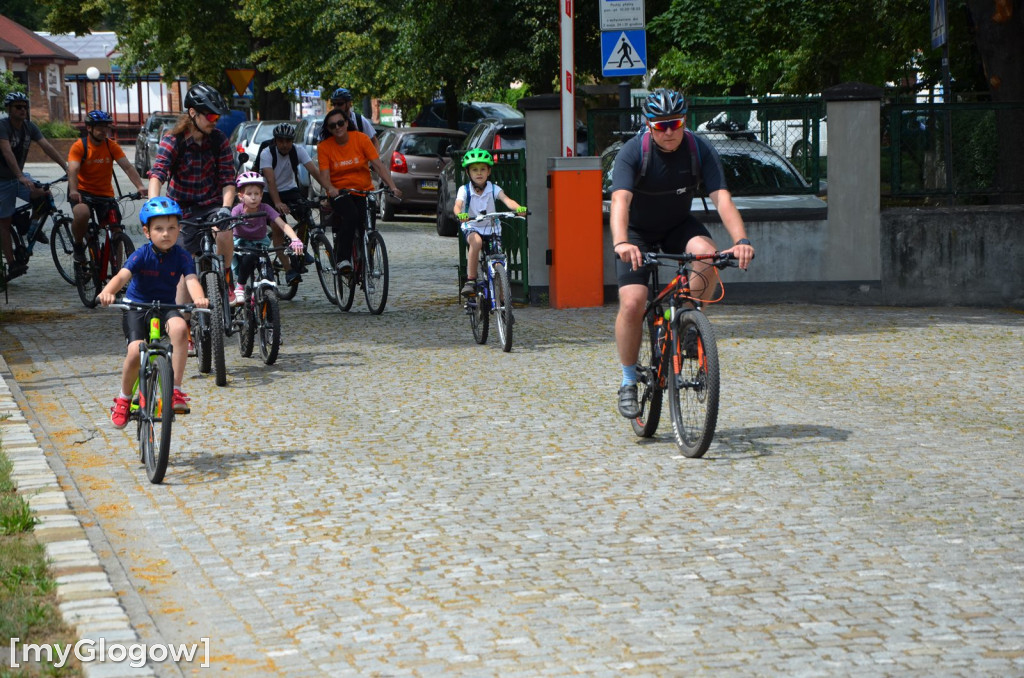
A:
(624, 53)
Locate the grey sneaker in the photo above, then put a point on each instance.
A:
(629, 407)
(469, 289)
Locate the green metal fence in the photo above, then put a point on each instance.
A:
(935, 153)
(510, 174)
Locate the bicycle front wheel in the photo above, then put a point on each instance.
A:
(216, 326)
(375, 273)
(503, 306)
(268, 323)
(62, 249)
(693, 384)
(87, 276)
(648, 382)
(323, 258)
(156, 412)
(247, 328)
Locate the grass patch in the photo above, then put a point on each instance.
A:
(28, 601)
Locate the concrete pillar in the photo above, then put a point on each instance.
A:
(543, 141)
(852, 243)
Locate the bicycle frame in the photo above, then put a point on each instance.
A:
(42, 208)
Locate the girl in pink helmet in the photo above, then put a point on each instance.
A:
(255, 232)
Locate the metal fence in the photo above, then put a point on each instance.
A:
(510, 173)
(773, 131)
(953, 153)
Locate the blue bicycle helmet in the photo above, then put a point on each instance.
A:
(664, 102)
(341, 94)
(158, 207)
(98, 118)
(15, 97)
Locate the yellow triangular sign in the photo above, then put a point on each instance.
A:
(240, 78)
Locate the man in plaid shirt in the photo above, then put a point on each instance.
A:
(194, 159)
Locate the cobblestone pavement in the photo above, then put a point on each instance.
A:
(391, 499)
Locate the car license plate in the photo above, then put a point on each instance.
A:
(428, 185)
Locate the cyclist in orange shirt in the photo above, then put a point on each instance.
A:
(345, 158)
(91, 173)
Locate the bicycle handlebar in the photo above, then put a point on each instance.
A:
(717, 259)
(210, 224)
(128, 305)
(488, 215)
(358, 191)
(45, 186)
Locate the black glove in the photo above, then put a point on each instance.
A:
(222, 213)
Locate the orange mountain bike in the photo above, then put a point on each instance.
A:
(678, 353)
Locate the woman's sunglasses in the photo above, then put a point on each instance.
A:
(335, 125)
(667, 125)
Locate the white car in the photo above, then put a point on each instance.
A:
(791, 138)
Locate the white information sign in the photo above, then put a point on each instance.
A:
(619, 15)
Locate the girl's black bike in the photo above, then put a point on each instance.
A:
(259, 316)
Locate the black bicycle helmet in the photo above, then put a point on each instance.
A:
(284, 131)
(15, 97)
(664, 102)
(204, 98)
(98, 118)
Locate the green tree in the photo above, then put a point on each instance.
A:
(29, 14)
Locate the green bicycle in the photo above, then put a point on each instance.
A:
(152, 394)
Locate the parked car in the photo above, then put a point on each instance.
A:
(239, 139)
(307, 135)
(757, 176)
(415, 156)
(492, 134)
(149, 138)
(263, 131)
(791, 138)
(470, 114)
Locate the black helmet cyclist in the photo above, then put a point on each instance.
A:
(284, 131)
(206, 99)
(340, 96)
(664, 102)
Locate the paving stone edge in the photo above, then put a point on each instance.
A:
(86, 598)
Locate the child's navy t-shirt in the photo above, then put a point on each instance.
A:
(155, 276)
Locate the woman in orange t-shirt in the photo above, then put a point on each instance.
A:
(345, 158)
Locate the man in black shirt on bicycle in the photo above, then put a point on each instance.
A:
(654, 181)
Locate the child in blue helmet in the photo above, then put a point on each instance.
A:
(152, 273)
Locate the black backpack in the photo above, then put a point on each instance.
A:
(695, 160)
(293, 155)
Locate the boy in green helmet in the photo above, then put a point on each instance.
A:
(478, 197)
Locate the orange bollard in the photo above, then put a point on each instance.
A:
(575, 235)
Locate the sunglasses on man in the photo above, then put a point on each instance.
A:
(666, 125)
(19, 107)
(212, 117)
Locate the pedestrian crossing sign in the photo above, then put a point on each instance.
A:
(623, 53)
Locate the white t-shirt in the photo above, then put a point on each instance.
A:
(283, 174)
(480, 203)
(363, 124)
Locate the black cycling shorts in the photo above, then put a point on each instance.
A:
(136, 323)
(672, 241)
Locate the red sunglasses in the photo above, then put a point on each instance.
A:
(667, 125)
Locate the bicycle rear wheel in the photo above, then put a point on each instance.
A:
(87, 275)
(693, 384)
(649, 393)
(375, 273)
(323, 258)
(61, 248)
(503, 306)
(155, 416)
(268, 323)
(121, 247)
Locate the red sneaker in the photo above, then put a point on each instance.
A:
(119, 412)
(180, 402)
(191, 348)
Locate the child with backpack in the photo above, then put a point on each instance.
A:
(478, 197)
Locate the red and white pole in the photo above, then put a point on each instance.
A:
(568, 86)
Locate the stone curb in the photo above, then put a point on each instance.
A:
(86, 597)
